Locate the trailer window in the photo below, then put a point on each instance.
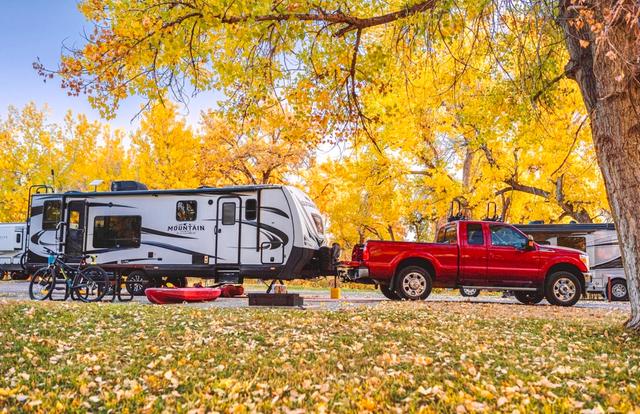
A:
(251, 209)
(186, 210)
(317, 220)
(579, 243)
(228, 213)
(52, 214)
(474, 234)
(116, 231)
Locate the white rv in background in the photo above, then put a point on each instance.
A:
(228, 233)
(600, 242)
(12, 248)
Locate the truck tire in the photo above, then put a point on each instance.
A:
(528, 297)
(137, 282)
(469, 292)
(563, 289)
(413, 283)
(619, 291)
(389, 293)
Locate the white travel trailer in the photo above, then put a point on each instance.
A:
(12, 248)
(600, 242)
(228, 233)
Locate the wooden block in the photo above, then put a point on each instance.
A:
(275, 299)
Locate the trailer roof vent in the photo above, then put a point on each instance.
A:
(127, 186)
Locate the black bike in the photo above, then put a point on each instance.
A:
(87, 283)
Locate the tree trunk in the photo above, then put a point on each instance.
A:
(614, 107)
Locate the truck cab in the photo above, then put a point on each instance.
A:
(478, 254)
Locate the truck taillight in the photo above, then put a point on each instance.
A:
(356, 253)
(365, 253)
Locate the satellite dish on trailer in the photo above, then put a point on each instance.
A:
(95, 184)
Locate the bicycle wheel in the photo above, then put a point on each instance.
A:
(42, 283)
(91, 284)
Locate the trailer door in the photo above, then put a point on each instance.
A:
(74, 241)
(228, 231)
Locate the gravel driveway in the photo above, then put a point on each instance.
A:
(318, 298)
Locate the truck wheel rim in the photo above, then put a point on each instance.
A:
(414, 284)
(564, 289)
(469, 292)
(618, 290)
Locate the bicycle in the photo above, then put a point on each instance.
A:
(84, 283)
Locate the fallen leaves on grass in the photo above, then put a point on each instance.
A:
(398, 357)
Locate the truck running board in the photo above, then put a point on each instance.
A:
(529, 289)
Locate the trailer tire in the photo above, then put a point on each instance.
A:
(469, 292)
(389, 293)
(528, 297)
(137, 282)
(563, 288)
(619, 290)
(413, 283)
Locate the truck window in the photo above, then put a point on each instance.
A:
(447, 235)
(506, 236)
(52, 213)
(116, 231)
(474, 235)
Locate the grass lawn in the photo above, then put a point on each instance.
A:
(448, 357)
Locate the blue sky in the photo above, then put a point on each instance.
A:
(38, 28)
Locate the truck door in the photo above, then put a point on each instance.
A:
(228, 231)
(473, 255)
(509, 263)
(75, 228)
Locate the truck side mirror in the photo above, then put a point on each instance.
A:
(531, 244)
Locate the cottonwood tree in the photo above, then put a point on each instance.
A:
(252, 48)
(33, 146)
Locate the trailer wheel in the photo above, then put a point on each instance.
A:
(527, 297)
(563, 289)
(137, 282)
(389, 293)
(413, 283)
(619, 291)
(469, 292)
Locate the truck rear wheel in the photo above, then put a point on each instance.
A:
(528, 297)
(389, 293)
(563, 289)
(413, 283)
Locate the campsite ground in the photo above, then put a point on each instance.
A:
(439, 355)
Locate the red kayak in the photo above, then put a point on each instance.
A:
(179, 295)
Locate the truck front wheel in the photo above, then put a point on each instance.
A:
(389, 293)
(413, 283)
(563, 289)
(527, 297)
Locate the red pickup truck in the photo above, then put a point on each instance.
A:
(472, 254)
